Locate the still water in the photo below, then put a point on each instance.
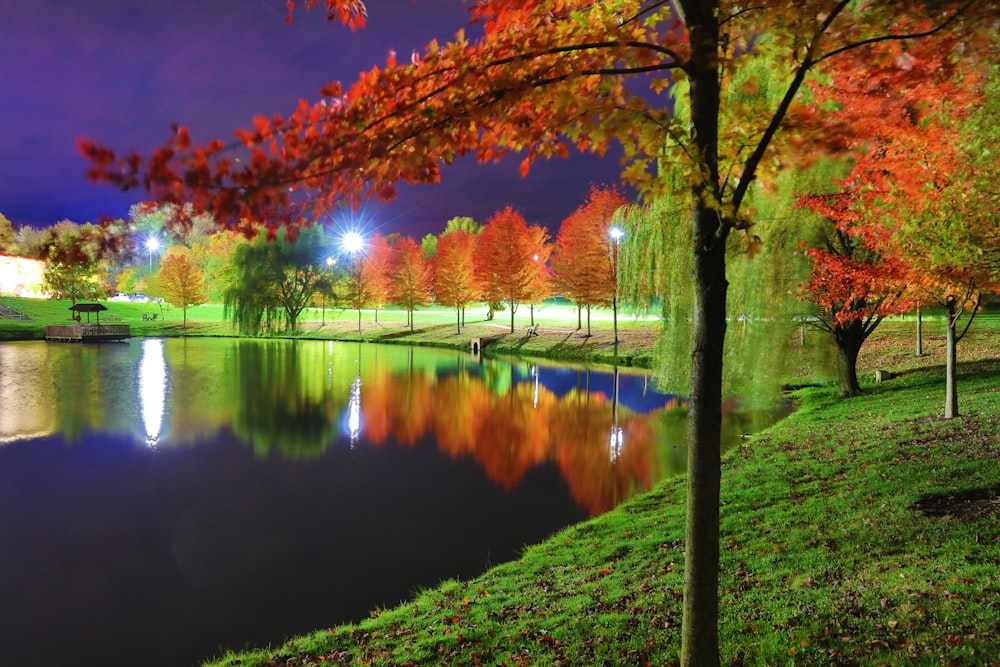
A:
(164, 500)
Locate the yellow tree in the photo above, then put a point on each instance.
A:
(181, 281)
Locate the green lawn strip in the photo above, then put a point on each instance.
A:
(557, 336)
(825, 557)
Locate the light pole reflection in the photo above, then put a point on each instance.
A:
(534, 393)
(617, 440)
(152, 389)
(354, 406)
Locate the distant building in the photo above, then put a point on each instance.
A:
(20, 276)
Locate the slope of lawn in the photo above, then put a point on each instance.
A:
(856, 532)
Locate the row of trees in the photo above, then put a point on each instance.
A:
(504, 263)
(266, 283)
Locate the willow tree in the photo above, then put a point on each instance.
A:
(274, 281)
(764, 345)
(539, 76)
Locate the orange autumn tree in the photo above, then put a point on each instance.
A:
(411, 277)
(582, 262)
(865, 269)
(540, 286)
(949, 229)
(376, 272)
(454, 276)
(181, 281)
(505, 262)
(538, 77)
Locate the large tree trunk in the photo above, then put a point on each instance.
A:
(700, 637)
(951, 357)
(700, 631)
(849, 337)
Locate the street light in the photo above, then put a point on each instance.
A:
(616, 235)
(152, 245)
(352, 242)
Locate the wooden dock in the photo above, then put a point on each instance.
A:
(87, 333)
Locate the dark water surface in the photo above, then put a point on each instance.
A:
(164, 500)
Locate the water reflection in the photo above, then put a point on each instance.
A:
(152, 388)
(607, 433)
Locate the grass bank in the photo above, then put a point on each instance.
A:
(555, 336)
(856, 532)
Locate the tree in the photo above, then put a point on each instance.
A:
(429, 245)
(6, 234)
(582, 264)
(505, 259)
(274, 280)
(888, 220)
(181, 281)
(411, 277)
(462, 223)
(518, 86)
(454, 275)
(218, 263)
(376, 273)
(854, 286)
(950, 233)
(71, 251)
(540, 281)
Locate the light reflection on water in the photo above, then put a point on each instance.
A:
(152, 388)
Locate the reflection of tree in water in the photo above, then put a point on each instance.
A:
(293, 396)
(513, 436)
(285, 403)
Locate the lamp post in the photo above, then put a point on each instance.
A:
(152, 245)
(616, 234)
(352, 243)
(330, 262)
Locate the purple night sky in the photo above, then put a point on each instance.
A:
(120, 71)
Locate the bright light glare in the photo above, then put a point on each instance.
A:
(352, 242)
(152, 244)
(616, 234)
(354, 412)
(616, 443)
(152, 388)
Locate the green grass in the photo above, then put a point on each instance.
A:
(558, 336)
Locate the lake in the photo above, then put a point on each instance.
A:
(163, 500)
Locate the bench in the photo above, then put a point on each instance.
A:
(532, 330)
